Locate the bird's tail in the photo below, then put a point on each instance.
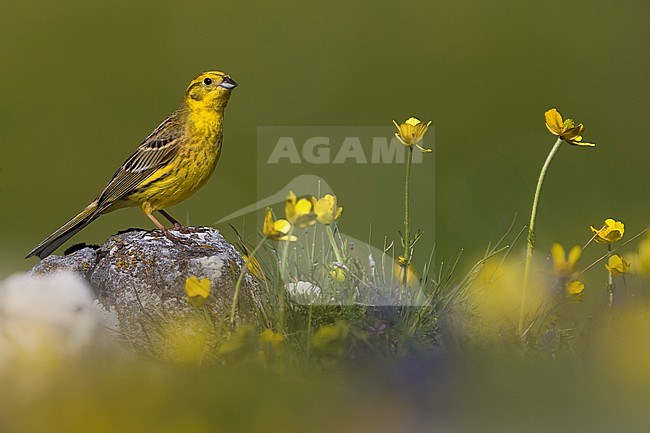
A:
(69, 229)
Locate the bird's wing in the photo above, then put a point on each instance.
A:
(155, 151)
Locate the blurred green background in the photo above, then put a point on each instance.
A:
(83, 82)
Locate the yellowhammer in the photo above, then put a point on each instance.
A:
(170, 165)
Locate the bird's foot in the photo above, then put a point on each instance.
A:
(176, 239)
(186, 229)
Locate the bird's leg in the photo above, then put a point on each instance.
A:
(178, 226)
(171, 219)
(162, 228)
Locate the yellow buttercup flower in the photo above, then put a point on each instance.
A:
(299, 212)
(411, 133)
(567, 129)
(575, 289)
(399, 267)
(326, 209)
(612, 231)
(197, 291)
(401, 261)
(254, 266)
(617, 265)
(252, 263)
(272, 338)
(277, 230)
(564, 266)
(337, 273)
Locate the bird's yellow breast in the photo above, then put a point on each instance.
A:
(189, 169)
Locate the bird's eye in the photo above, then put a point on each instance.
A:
(207, 81)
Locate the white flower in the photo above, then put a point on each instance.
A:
(303, 288)
(304, 292)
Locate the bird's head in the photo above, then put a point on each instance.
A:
(209, 90)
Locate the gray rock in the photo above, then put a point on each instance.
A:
(141, 275)
(82, 262)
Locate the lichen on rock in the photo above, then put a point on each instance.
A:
(141, 275)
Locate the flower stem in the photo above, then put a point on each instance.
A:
(335, 247)
(284, 274)
(233, 309)
(532, 235)
(311, 304)
(407, 225)
(610, 279)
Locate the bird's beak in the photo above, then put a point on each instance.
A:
(228, 83)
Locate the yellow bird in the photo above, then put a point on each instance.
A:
(170, 165)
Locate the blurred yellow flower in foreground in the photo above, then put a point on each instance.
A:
(268, 336)
(197, 291)
(299, 212)
(277, 230)
(617, 265)
(564, 266)
(411, 133)
(269, 347)
(575, 289)
(242, 342)
(495, 298)
(329, 340)
(326, 209)
(566, 129)
(185, 340)
(611, 231)
(642, 264)
(624, 348)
